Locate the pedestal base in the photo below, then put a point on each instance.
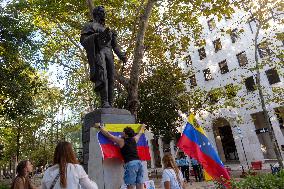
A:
(108, 174)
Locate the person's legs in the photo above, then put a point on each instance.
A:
(140, 176)
(130, 186)
(133, 174)
(195, 170)
(129, 175)
(139, 186)
(110, 76)
(183, 171)
(187, 173)
(199, 173)
(104, 89)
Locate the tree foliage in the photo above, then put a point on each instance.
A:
(168, 28)
(28, 104)
(172, 24)
(161, 99)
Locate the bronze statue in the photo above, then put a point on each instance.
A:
(99, 42)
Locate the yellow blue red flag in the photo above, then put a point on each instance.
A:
(195, 144)
(112, 150)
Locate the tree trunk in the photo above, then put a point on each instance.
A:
(132, 84)
(91, 7)
(265, 113)
(16, 157)
(132, 87)
(18, 141)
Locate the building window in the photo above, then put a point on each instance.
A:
(211, 24)
(217, 45)
(188, 61)
(272, 76)
(242, 58)
(192, 81)
(234, 35)
(263, 49)
(223, 67)
(250, 84)
(207, 74)
(202, 53)
(230, 91)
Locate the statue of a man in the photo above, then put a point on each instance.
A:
(99, 42)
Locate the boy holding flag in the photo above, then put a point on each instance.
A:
(133, 168)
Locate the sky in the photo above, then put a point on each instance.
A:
(52, 74)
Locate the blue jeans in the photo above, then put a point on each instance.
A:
(133, 172)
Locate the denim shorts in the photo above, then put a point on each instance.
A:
(133, 172)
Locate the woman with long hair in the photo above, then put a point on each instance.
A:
(172, 177)
(66, 171)
(22, 180)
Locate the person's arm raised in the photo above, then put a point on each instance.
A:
(142, 129)
(107, 134)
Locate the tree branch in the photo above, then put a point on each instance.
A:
(261, 97)
(65, 65)
(60, 62)
(71, 40)
(124, 81)
(135, 22)
(91, 8)
(132, 88)
(139, 46)
(269, 18)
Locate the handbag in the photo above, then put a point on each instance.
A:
(54, 181)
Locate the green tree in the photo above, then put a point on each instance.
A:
(161, 99)
(18, 79)
(268, 16)
(147, 31)
(30, 106)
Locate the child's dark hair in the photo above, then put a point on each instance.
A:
(129, 131)
(20, 170)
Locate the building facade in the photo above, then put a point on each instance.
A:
(228, 59)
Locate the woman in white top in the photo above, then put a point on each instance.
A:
(172, 177)
(66, 172)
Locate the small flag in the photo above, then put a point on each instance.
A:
(112, 150)
(195, 144)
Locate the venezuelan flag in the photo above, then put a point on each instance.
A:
(112, 150)
(195, 144)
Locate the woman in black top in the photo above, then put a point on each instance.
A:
(133, 168)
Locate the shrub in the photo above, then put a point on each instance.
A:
(263, 181)
(4, 186)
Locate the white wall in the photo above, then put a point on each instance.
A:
(235, 75)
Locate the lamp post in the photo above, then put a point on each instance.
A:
(241, 136)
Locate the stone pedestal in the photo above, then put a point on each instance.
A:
(108, 174)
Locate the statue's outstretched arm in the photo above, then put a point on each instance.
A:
(117, 49)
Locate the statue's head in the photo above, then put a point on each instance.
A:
(99, 14)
